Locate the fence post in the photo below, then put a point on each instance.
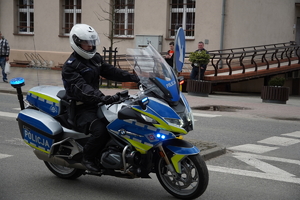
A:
(111, 54)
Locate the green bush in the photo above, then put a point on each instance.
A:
(277, 81)
(199, 57)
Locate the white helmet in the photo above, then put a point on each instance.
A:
(86, 35)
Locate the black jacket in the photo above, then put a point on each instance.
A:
(81, 77)
(170, 60)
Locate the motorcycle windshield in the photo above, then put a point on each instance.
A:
(154, 72)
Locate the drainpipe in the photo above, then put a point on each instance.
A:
(222, 29)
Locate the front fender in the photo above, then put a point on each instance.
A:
(181, 147)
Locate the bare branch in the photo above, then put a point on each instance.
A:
(111, 19)
(118, 41)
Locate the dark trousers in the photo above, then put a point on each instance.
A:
(87, 119)
(195, 73)
(2, 65)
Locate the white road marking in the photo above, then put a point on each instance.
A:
(269, 172)
(263, 166)
(255, 160)
(277, 159)
(254, 174)
(279, 141)
(8, 114)
(253, 148)
(293, 134)
(205, 115)
(16, 141)
(4, 155)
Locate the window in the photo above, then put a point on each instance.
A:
(124, 18)
(25, 17)
(182, 14)
(71, 15)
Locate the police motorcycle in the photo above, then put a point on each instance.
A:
(145, 130)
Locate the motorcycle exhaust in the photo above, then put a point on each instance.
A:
(56, 160)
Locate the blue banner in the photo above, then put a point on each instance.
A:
(179, 50)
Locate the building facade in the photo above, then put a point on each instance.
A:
(42, 26)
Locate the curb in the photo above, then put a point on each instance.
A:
(208, 150)
(10, 91)
(212, 153)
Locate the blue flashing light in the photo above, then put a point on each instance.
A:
(144, 99)
(17, 82)
(144, 102)
(160, 136)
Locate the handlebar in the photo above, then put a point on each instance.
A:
(123, 96)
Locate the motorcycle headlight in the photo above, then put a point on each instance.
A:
(149, 119)
(188, 119)
(175, 122)
(187, 115)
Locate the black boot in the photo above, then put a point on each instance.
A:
(94, 144)
(90, 165)
(90, 150)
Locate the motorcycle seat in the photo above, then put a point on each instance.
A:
(67, 105)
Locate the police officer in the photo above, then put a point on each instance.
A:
(81, 74)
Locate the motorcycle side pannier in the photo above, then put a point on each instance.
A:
(38, 129)
(44, 98)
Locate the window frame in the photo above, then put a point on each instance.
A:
(126, 11)
(75, 11)
(29, 11)
(184, 10)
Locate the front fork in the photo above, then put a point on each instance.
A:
(174, 165)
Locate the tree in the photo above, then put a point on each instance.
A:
(111, 19)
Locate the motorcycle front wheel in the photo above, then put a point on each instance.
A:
(64, 172)
(190, 183)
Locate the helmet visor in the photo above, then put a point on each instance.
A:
(94, 40)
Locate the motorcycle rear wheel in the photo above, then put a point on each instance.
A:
(64, 172)
(190, 184)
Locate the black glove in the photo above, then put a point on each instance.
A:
(139, 83)
(135, 78)
(110, 99)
